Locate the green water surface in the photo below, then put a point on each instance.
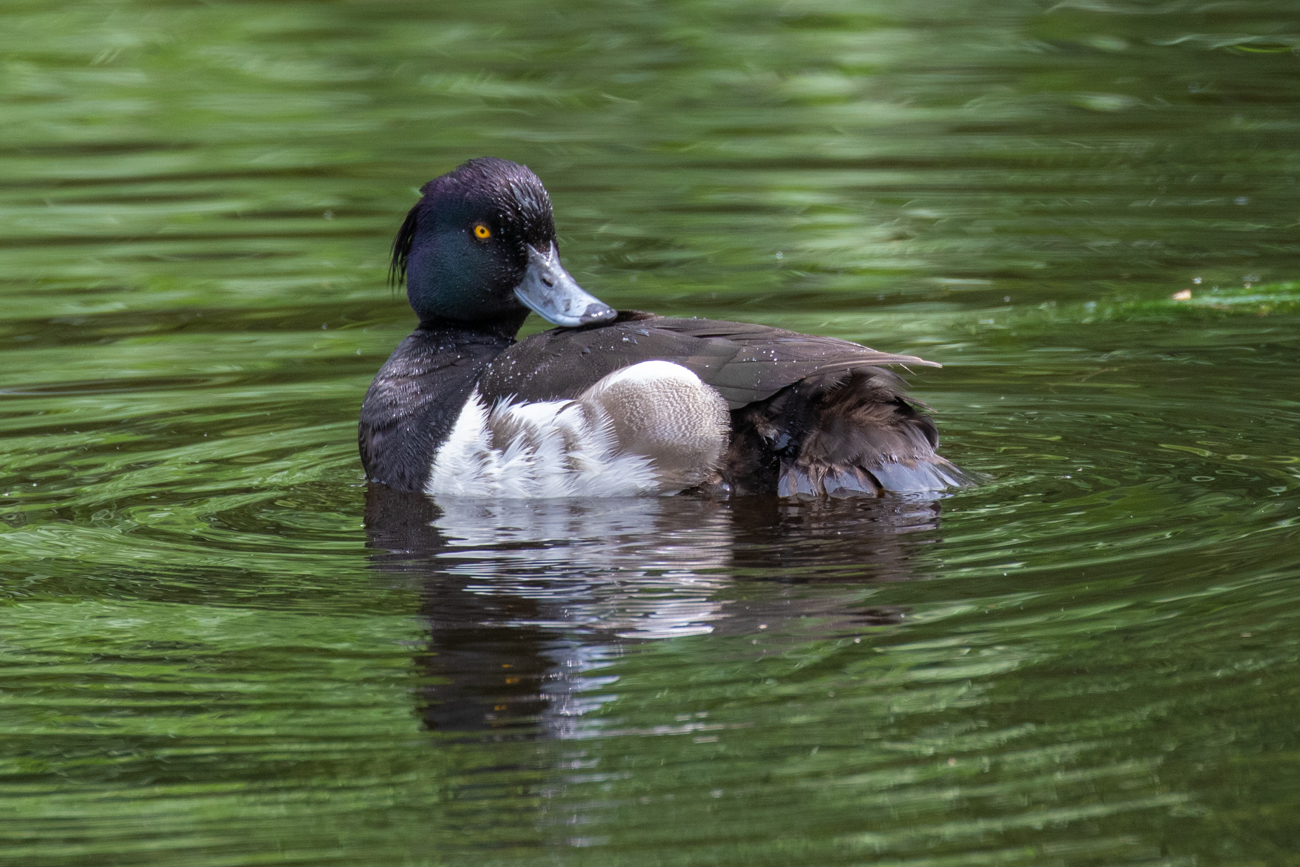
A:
(218, 647)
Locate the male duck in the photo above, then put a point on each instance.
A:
(611, 403)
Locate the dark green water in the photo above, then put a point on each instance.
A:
(218, 648)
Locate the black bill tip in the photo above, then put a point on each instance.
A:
(551, 292)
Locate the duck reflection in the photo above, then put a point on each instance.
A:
(528, 600)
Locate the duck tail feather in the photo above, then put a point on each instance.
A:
(850, 482)
(912, 477)
(935, 475)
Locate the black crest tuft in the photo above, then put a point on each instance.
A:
(402, 246)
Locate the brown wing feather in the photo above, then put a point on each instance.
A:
(809, 415)
(841, 434)
(744, 362)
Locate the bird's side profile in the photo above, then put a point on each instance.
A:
(611, 403)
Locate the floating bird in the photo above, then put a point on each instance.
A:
(612, 403)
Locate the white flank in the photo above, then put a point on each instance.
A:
(650, 428)
(553, 449)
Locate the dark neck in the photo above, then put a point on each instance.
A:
(457, 329)
(417, 395)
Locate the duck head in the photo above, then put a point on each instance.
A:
(479, 248)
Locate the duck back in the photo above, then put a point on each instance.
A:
(809, 415)
(742, 361)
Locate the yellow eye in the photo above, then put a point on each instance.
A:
(482, 232)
